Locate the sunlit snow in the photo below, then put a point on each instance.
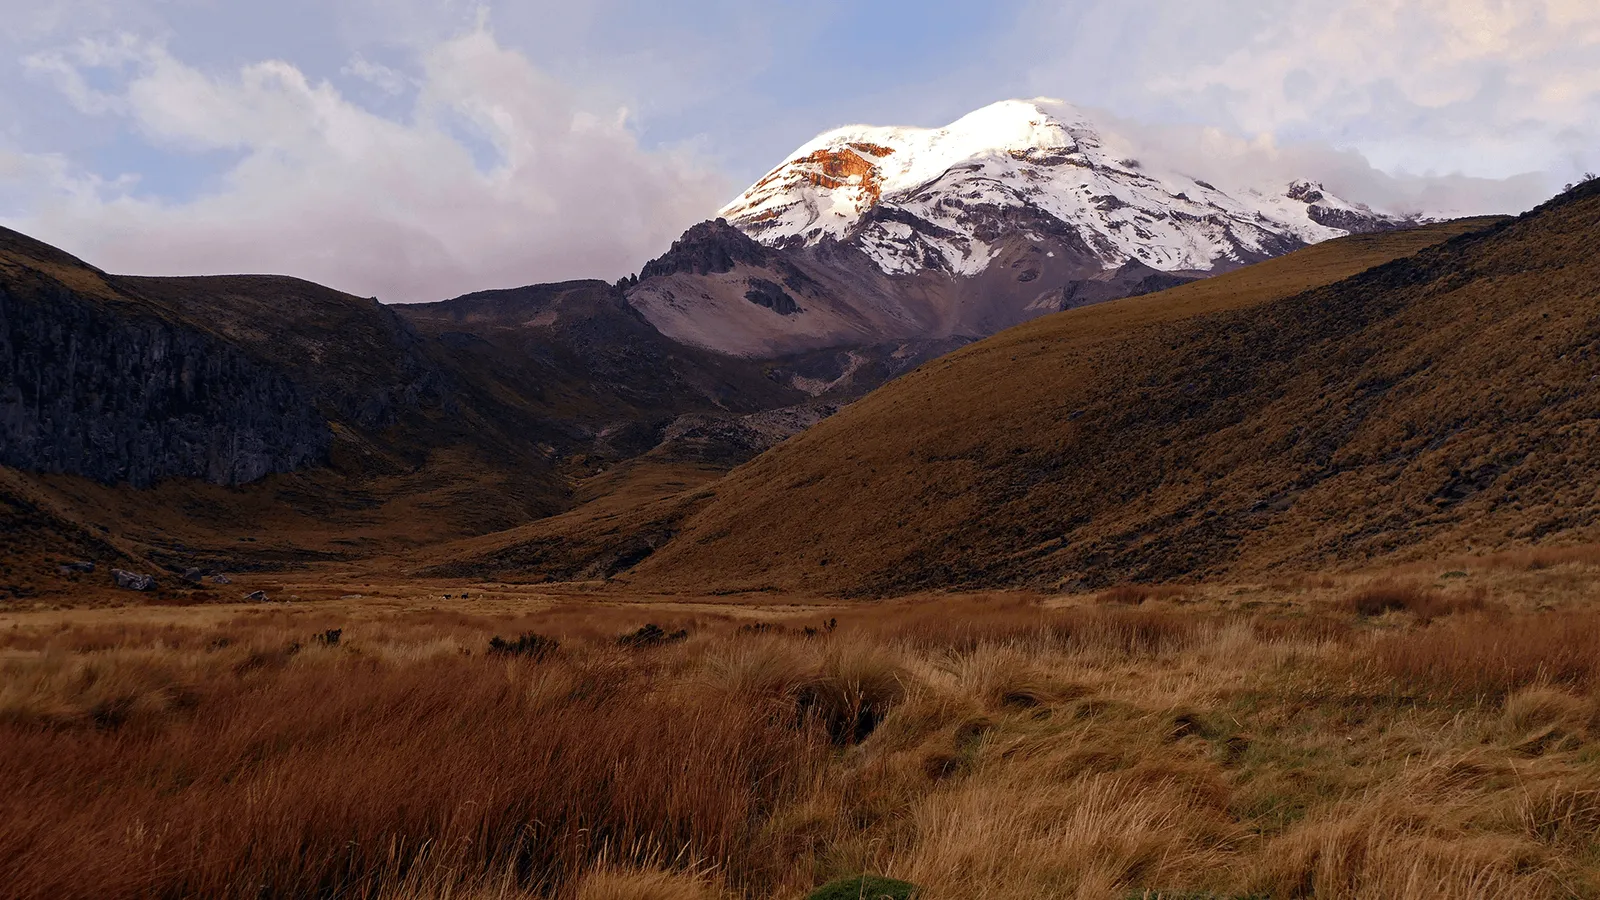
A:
(1042, 154)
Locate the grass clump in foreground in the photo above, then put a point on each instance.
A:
(999, 746)
(865, 887)
(534, 646)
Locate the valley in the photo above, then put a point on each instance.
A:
(544, 433)
(973, 511)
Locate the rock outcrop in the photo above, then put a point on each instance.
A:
(708, 248)
(91, 390)
(133, 581)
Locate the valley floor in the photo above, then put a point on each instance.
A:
(1425, 732)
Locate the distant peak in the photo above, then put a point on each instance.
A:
(945, 195)
(1038, 108)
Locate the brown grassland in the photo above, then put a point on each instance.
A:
(1419, 732)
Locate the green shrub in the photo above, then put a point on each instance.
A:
(865, 887)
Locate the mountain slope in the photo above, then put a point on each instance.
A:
(763, 530)
(872, 235)
(1442, 401)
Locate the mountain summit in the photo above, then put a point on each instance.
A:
(868, 236)
(952, 198)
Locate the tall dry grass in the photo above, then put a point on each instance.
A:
(292, 776)
(1492, 656)
(996, 747)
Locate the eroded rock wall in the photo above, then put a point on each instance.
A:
(120, 396)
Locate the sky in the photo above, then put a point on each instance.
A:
(415, 150)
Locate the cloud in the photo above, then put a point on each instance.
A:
(495, 176)
(376, 74)
(1488, 88)
(1232, 161)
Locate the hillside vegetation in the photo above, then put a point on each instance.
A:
(1441, 401)
(605, 537)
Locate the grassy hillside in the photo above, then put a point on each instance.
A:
(1239, 424)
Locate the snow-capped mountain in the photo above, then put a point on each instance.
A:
(939, 198)
(1025, 207)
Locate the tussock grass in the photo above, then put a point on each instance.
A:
(321, 778)
(1426, 603)
(644, 884)
(1493, 656)
(995, 746)
(1534, 559)
(1137, 594)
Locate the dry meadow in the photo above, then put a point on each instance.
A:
(1417, 733)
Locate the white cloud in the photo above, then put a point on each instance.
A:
(495, 178)
(1489, 88)
(376, 74)
(1231, 161)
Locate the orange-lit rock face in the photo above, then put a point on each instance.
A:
(834, 169)
(871, 149)
(849, 166)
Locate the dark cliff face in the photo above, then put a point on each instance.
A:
(360, 362)
(231, 378)
(385, 428)
(90, 389)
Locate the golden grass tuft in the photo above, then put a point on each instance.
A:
(1138, 594)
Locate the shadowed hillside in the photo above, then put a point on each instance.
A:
(814, 488)
(1445, 400)
(240, 422)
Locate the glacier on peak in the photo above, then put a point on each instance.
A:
(916, 199)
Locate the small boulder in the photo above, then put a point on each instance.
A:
(221, 579)
(133, 581)
(194, 576)
(81, 565)
(256, 596)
